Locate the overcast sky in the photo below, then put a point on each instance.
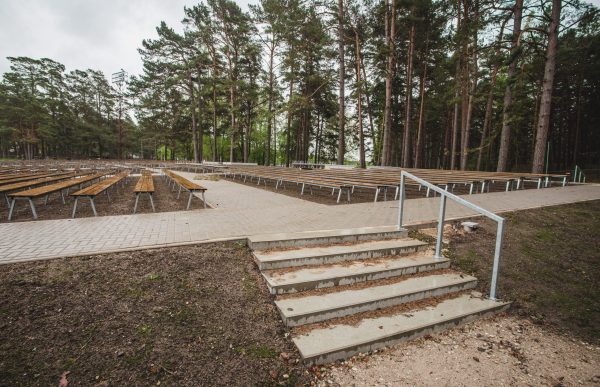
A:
(99, 34)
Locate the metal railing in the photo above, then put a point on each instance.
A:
(578, 175)
(442, 215)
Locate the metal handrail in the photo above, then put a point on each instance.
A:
(578, 175)
(440, 228)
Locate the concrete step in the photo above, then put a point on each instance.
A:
(308, 278)
(268, 260)
(337, 342)
(312, 309)
(311, 238)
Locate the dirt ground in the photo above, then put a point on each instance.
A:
(505, 350)
(122, 202)
(195, 315)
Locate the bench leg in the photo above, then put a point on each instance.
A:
(93, 206)
(189, 201)
(107, 194)
(137, 196)
(12, 207)
(348, 193)
(74, 207)
(339, 195)
(62, 196)
(203, 200)
(179, 193)
(151, 201)
(32, 208)
(7, 200)
(46, 200)
(376, 194)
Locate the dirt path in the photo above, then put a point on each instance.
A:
(500, 351)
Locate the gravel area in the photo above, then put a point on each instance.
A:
(504, 350)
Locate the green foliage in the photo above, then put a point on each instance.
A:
(262, 86)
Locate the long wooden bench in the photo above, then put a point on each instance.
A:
(32, 177)
(145, 185)
(46, 190)
(96, 189)
(185, 184)
(6, 188)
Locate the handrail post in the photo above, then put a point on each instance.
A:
(440, 230)
(496, 267)
(401, 201)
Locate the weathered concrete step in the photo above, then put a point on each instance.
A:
(332, 254)
(343, 341)
(312, 309)
(308, 278)
(311, 238)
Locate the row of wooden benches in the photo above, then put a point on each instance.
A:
(62, 183)
(382, 180)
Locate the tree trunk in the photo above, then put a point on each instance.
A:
(454, 127)
(270, 112)
(421, 128)
(490, 99)
(546, 100)
(577, 120)
(409, 86)
(456, 95)
(361, 140)
(464, 154)
(289, 123)
(342, 72)
(194, 123)
(375, 156)
(390, 29)
(214, 112)
(506, 112)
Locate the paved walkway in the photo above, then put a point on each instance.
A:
(244, 211)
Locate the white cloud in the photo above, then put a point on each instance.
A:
(98, 34)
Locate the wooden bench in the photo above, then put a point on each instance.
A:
(145, 185)
(96, 189)
(6, 188)
(46, 190)
(185, 184)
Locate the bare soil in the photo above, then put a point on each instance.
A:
(550, 265)
(194, 315)
(122, 201)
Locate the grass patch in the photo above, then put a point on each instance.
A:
(550, 265)
(261, 352)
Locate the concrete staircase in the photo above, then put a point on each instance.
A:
(343, 292)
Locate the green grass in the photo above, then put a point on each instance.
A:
(550, 264)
